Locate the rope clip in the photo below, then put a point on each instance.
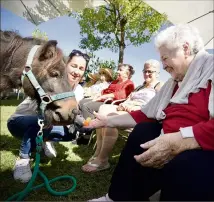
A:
(41, 124)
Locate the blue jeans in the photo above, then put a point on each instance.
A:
(26, 128)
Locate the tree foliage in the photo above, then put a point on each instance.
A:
(39, 34)
(118, 24)
(96, 63)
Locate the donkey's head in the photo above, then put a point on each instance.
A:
(49, 69)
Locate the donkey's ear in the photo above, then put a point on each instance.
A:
(48, 50)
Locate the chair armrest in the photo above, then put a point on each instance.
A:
(117, 102)
(107, 100)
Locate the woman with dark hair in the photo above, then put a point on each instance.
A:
(24, 122)
(76, 66)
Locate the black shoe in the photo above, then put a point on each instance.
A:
(83, 140)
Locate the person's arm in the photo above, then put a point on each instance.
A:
(121, 121)
(114, 121)
(106, 96)
(203, 132)
(139, 117)
(27, 107)
(79, 93)
(128, 120)
(124, 92)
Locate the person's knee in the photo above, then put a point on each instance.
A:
(192, 158)
(189, 169)
(107, 109)
(191, 164)
(135, 134)
(84, 103)
(12, 127)
(111, 132)
(144, 132)
(102, 108)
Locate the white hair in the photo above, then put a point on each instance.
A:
(153, 63)
(176, 36)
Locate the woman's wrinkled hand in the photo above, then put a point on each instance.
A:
(96, 98)
(120, 108)
(132, 108)
(99, 122)
(100, 98)
(160, 150)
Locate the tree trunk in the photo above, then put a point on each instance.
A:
(121, 53)
(122, 45)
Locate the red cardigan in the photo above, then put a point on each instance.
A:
(121, 90)
(194, 114)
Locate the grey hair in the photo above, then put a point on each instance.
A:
(153, 63)
(176, 36)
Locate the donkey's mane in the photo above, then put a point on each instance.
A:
(15, 41)
(11, 36)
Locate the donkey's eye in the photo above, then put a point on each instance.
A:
(55, 74)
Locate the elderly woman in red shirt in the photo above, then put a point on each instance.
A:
(118, 89)
(172, 145)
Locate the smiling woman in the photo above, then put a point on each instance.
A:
(76, 66)
(176, 53)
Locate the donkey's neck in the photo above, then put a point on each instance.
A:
(14, 58)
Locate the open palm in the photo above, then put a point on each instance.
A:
(99, 122)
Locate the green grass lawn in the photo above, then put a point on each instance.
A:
(68, 162)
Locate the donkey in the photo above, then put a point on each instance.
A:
(48, 67)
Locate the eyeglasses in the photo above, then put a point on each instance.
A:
(148, 71)
(79, 53)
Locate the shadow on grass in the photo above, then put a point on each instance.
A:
(68, 162)
(88, 186)
(85, 151)
(10, 102)
(10, 143)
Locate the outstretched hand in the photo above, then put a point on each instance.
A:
(100, 121)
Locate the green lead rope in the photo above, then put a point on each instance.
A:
(21, 195)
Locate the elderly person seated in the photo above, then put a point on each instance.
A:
(172, 145)
(118, 89)
(104, 78)
(107, 137)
